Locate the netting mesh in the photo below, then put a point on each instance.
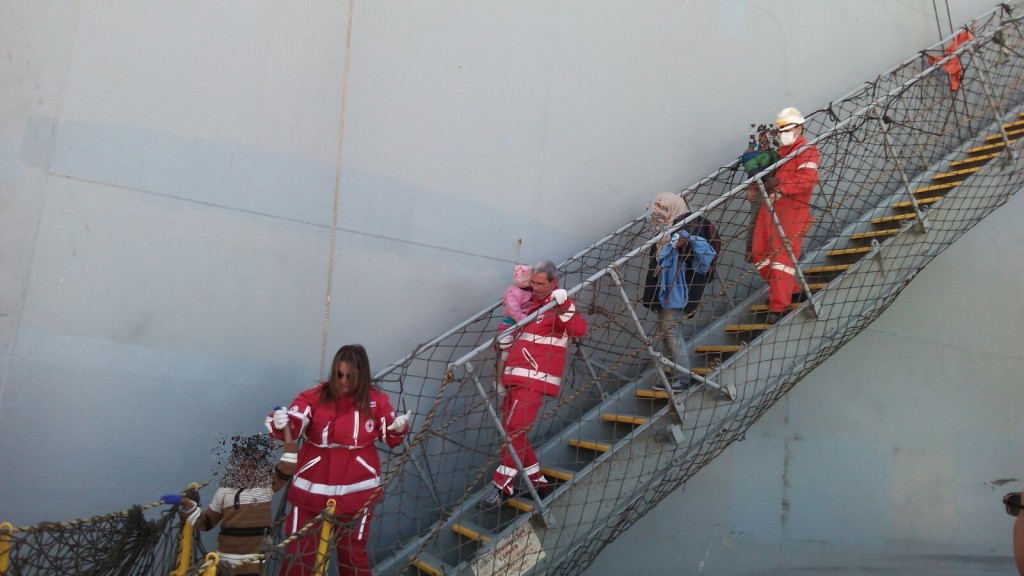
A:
(908, 165)
(124, 543)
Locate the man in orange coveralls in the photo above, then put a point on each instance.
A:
(789, 193)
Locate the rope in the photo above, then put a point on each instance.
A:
(938, 25)
(337, 191)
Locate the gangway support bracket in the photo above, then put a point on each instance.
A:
(671, 433)
(548, 518)
(922, 225)
(729, 391)
(876, 255)
(676, 432)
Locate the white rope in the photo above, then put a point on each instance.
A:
(337, 192)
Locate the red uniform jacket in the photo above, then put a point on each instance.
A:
(537, 357)
(797, 179)
(338, 458)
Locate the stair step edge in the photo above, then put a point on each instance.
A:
(473, 531)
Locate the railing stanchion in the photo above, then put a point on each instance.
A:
(677, 405)
(890, 151)
(6, 529)
(185, 542)
(209, 567)
(590, 368)
(545, 512)
(983, 74)
(789, 250)
(322, 547)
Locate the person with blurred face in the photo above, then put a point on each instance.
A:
(533, 370)
(241, 506)
(679, 270)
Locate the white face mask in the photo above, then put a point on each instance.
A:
(788, 137)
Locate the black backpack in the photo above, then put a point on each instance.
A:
(699, 226)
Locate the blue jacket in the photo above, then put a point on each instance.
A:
(672, 289)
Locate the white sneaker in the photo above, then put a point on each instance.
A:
(676, 385)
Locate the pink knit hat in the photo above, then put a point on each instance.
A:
(521, 275)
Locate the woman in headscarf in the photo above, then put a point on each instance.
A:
(674, 261)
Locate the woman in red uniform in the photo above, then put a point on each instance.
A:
(339, 420)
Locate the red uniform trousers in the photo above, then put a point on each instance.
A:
(518, 413)
(350, 536)
(769, 253)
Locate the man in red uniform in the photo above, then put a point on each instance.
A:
(533, 370)
(789, 193)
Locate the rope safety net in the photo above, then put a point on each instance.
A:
(908, 165)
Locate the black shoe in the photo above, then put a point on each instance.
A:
(773, 317)
(492, 500)
(544, 490)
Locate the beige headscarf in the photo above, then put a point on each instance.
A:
(667, 207)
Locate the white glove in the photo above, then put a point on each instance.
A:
(400, 423)
(280, 418)
(675, 239)
(560, 296)
(192, 515)
(500, 388)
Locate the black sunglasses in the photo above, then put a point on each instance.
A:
(1012, 502)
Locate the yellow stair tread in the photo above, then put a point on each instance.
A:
(764, 307)
(654, 394)
(1016, 124)
(471, 531)
(826, 269)
(701, 371)
(875, 234)
(624, 419)
(849, 251)
(557, 473)
(589, 445)
(936, 187)
(426, 565)
(719, 348)
(965, 161)
(987, 147)
(520, 504)
(894, 218)
(956, 173)
(747, 327)
(909, 204)
(1009, 133)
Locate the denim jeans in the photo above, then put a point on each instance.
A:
(673, 344)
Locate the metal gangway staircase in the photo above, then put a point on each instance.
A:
(910, 161)
(908, 166)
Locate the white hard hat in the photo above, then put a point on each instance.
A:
(789, 116)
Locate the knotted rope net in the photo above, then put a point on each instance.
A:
(909, 162)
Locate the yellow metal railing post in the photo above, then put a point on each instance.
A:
(320, 568)
(185, 542)
(209, 568)
(5, 546)
(184, 549)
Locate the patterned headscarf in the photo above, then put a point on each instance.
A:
(668, 206)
